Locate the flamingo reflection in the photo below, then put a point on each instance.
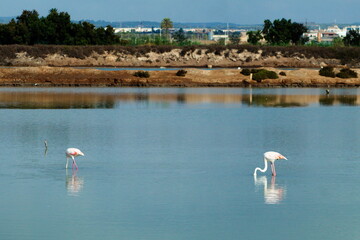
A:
(46, 148)
(74, 184)
(274, 193)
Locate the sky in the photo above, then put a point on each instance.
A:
(232, 11)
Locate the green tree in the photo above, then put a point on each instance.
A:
(254, 37)
(221, 41)
(180, 36)
(352, 38)
(338, 42)
(166, 24)
(110, 37)
(8, 33)
(283, 31)
(58, 27)
(297, 30)
(234, 38)
(89, 33)
(30, 26)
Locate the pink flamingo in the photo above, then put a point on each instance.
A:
(271, 157)
(72, 153)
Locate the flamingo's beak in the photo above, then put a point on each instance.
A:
(282, 157)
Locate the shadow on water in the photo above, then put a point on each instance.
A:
(273, 193)
(103, 100)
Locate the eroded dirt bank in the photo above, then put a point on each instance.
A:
(172, 56)
(68, 76)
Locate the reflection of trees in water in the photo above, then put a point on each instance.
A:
(269, 101)
(141, 97)
(327, 100)
(41, 100)
(263, 100)
(259, 100)
(181, 98)
(58, 105)
(349, 100)
(287, 104)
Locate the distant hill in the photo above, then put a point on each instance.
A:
(149, 24)
(6, 19)
(212, 25)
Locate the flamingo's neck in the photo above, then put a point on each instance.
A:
(262, 170)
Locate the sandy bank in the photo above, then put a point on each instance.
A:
(67, 76)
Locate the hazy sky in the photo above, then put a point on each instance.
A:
(235, 11)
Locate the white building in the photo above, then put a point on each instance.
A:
(137, 30)
(353, 27)
(341, 32)
(328, 34)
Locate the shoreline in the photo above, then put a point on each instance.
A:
(46, 76)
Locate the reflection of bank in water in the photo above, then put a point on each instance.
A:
(274, 193)
(74, 184)
(65, 99)
(54, 100)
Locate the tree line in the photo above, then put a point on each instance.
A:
(56, 28)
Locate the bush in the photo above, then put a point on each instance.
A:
(327, 72)
(246, 72)
(282, 73)
(262, 74)
(346, 73)
(142, 74)
(181, 73)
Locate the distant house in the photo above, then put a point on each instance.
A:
(135, 30)
(328, 34)
(356, 28)
(218, 37)
(312, 35)
(341, 32)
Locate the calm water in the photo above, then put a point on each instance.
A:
(178, 164)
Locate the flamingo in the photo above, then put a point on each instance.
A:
(271, 157)
(72, 153)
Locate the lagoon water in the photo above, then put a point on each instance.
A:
(178, 163)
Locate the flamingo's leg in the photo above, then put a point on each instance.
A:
(273, 169)
(67, 162)
(74, 163)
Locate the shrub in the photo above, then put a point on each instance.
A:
(262, 74)
(282, 73)
(181, 73)
(246, 71)
(256, 70)
(327, 72)
(346, 73)
(142, 74)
